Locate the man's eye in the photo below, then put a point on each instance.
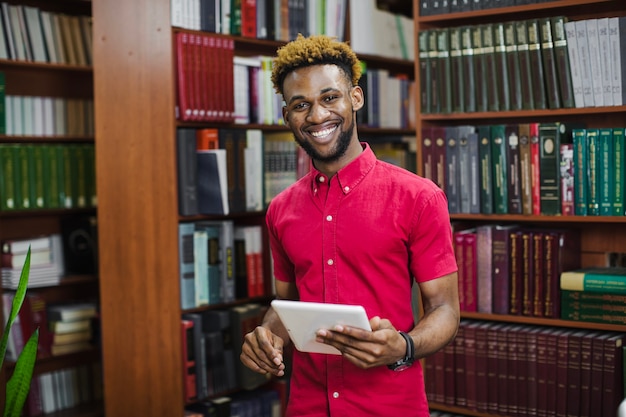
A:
(299, 106)
(330, 98)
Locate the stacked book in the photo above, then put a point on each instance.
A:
(594, 295)
(46, 262)
(71, 326)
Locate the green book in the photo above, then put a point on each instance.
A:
(481, 76)
(523, 54)
(499, 169)
(606, 171)
(52, 197)
(467, 56)
(502, 71)
(433, 59)
(65, 161)
(456, 70)
(486, 175)
(3, 117)
(602, 280)
(444, 76)
(490, 67)
(581, 167)
(514, 73)
(619, 177)
(593, 297)
(424, 67)
(593, 316)
(7, 178)
(37, 176)
(79, 175)
(22, 177)
(593, 193)
(536, 65)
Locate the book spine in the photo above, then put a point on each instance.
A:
(514, 169)
(499, 169)
(549, 64)
(523, 52)
(458, 78)
(593, 282)
(486, 174)
(566, 177)
(513, 66)
(538, 276)
(502, 70)
(493, 90)
(536, 65)
(574, 64)
(619, 142)
(549, 169)
(445, 76)
(606, 170)
(515, 268)
(525, 168)
(581, 162)
(562, 61)
(593, 193)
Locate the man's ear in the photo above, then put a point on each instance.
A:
(286, 116)
(358, 98)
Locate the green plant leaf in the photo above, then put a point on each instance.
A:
(19, 384)
(18, 299)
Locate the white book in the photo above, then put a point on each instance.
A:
(8, 115)
(47, 393)
(574, 63)
(35, 34)
(48, 36)
(363, 33)
(595, 62)
(201, 262)
(55, 21)
(60, 125)
(48, 116)
(225, 16)
(4, 49)
(8, 30)
(176, 11)
(19, 40)
(616, 61)
(18, 115)
(585, 64)
(38, 116)
(28, 119)
(253, 157)
(604, 51)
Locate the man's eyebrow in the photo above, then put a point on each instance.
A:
(323, 91)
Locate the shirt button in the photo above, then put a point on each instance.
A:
(335, 394)
(330, 262)
(346, 189)
(315, 190)
(329, 218)
(321, 179)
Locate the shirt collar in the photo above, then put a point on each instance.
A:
(352, 174)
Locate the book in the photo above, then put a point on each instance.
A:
(574, 63)
(566, 177)
(606, 171)
(234, 141)
(562, 61)
(486, 174)
(72, 312)
(218, 322)
(212, 185)
(452, 175)
(493, 91)
(605, 280)
(537, 77)
(484, 265)
(186, 261)
(524, 61)
(481, 77)
(226, 256)
(581, 162)
(187, 171)
(502, 67)
(499, 169)
(199, 349)
(513, 66)
(525, 172)
(60, 327)
(514, 202)
(619, 146)
(444, 71)
(549, 64)
(501, 250)
(457, 70)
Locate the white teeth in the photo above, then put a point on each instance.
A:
(324, 132)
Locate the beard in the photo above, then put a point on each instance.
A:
(338, 150)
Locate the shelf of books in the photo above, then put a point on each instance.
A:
(520, 120)
(48, 200)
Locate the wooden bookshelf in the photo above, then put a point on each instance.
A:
(599, 234)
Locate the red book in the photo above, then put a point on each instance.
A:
(528, 272)
(597, 373)
(521, 336)
(430, 378)
(182, 76)
(542, 371)
(471, 386)
(538, 274)
(229, 79)
(193, 78)
(219, 83)
(574, 391)
(460, 395)
(449, 365)
(586, 347)
(532, 335)
(470, 274)
(460, 262)
(551, 370)
(484, 268)
(503, 370)
(501, 266)
(493, 373)
(199, 79)
(207, 138)
(212, 77)
(561, 253)
(516, 261)
(248, 18)
(205, 65)
(189, 364)
(482, 367)
(513, 371)
(439, 377)
(562, 357)
(534, 168)
(612, 383)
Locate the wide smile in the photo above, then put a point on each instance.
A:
(324, 133)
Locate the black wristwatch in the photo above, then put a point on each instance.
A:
(409, 356)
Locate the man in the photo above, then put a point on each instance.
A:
(355, 230)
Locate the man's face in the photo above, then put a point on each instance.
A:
(320, 110)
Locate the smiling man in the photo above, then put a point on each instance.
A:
(355, 230)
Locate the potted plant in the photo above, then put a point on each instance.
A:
(18, 386)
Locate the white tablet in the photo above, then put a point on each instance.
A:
(303, 319)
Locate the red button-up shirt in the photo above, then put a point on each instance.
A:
(360, 238)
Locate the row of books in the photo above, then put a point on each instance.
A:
(28, 33)
(594, 295)
(43, 176)
(220, 262)
(263, 402)
(522, 370)
(509, 269)
(212, 341)
(546, 63)
(278, 20)
(550, 168)
(48, 259)
(63, 389)
(63, 327)
(46, 116)
(435, 7)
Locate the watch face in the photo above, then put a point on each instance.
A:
(402, 367)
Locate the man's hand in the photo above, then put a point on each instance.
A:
(380, 347)
(262, 351)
